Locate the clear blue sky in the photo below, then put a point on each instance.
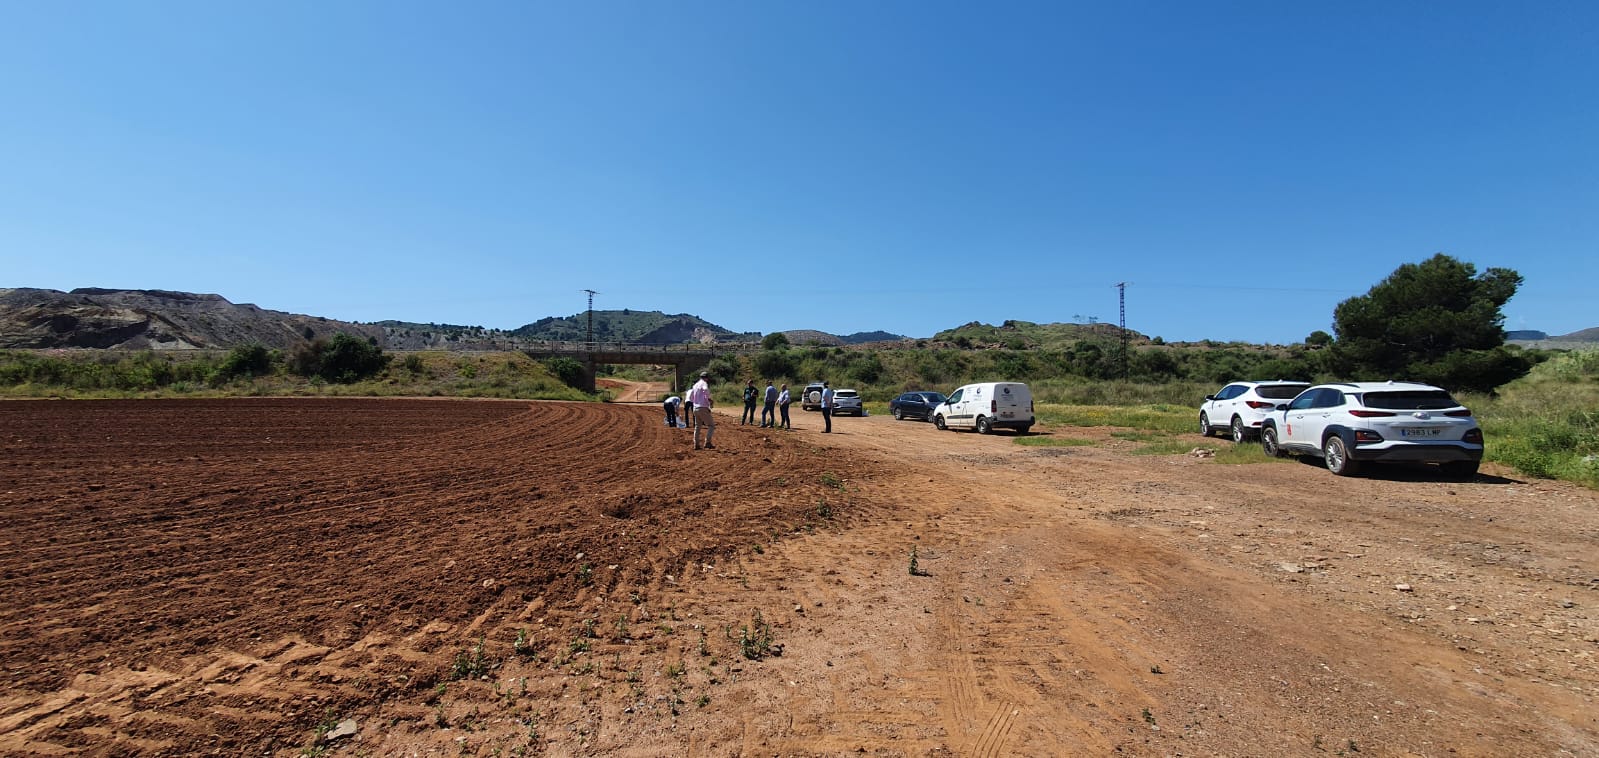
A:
(843, 166)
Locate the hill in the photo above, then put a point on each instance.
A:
(643, 327)
(1018, 335)
(1585, 335)
(92, 317)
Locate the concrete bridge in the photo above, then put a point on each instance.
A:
(685, 359)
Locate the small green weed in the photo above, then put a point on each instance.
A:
(470, 664)
(755, 640)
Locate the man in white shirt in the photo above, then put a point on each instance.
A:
(700, 396)
(672, 404)
(827, 407)
(783, 400)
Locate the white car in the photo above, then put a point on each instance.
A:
(847, 402)
(987, 406)
(1240, 407)
(1349, 423)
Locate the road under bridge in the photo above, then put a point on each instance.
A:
(684, 359)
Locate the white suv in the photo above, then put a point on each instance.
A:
(1240, 407)
(1349, 423)
(847, 402)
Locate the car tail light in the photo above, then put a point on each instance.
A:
(1364, 435)
(1474, 436)
(993, 406)
(1371, 414)
(1257, 405)
(1463, 412)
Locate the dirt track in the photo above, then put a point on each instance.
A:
(225, 576)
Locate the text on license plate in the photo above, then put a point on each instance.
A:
(1421, 432)
(1006, 414)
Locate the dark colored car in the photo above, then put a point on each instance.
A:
(915, 405)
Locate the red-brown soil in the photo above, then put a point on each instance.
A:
(237, 576)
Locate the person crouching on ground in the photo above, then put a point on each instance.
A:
(672, 403)
(700, 395)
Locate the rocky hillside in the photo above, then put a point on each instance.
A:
(152, 319)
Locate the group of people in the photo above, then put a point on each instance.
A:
(694, 409)
(775, 402)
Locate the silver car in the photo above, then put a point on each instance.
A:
(847, 402)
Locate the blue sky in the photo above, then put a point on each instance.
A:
(843, 166)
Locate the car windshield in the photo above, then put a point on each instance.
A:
(1280, 391)
(1410, 400)
(934, 398)
(845, 393)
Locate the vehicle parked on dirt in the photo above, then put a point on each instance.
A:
(1350, 423)
(847, 403)
(811, 398)
(918, 404)
(1240, 407)
(987, 406)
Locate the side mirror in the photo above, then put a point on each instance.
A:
(1282, 406)
(1210, 397)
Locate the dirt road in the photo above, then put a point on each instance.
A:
(510, 578)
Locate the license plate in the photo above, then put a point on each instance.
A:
(1420, 432)
(1006, 414)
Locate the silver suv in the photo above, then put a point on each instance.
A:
(1240, 407)
(847, 402)
(1350, 423)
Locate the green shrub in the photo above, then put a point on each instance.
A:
(343, 359)
(245, 361)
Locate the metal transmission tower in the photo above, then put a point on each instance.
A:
(1121, 288)
(590, 340)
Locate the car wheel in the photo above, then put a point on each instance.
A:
(1463, 471)
(982, 425)
(1026, 430)
(1204, 424)
(1337, 457)
(1240, 432)
(899, 415)
(1268, 442)
(938, 422)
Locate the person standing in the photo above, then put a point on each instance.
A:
(783, 400)
(827, 407)
(750, 396)
(700, 396)
(688, 410)
(768, 414)
(672, 403)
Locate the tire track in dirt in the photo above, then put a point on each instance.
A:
(382, 560)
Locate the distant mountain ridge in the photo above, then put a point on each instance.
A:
(147, 319)
(639, 327)
(102, 318)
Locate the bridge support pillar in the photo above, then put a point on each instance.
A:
(589, 369)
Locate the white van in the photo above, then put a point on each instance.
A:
(987, 406)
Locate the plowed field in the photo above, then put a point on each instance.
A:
(399, 577)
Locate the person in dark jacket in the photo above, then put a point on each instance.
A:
(750, 396)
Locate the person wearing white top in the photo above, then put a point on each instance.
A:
(827, 407)
(700, 395)
(672, 404)
(783, 400)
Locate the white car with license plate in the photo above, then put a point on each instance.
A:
(1348, 424)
